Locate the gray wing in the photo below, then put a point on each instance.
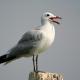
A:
(29, 41)
(31, 36)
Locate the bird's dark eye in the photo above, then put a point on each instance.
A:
(47, 15)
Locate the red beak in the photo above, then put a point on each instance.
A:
(55, 19)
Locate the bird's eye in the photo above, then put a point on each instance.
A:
(47, 15)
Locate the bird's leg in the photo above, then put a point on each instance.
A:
(34, 62)
(37, 63)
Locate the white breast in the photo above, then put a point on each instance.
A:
(49, 36)
(48, 39)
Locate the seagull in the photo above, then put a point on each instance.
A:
(34, 41)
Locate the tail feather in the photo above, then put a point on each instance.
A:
(6, 58)
(3, 58)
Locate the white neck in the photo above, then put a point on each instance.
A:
(48, 26)
(49, 31)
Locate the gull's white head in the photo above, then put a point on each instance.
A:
(49, 17)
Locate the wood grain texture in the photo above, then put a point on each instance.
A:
(45, 76)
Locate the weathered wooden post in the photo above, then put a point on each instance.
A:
(45, 76)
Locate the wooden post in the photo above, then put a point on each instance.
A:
(45, 76)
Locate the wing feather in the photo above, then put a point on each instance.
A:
(29, 41)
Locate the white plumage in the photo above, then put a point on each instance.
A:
(34, 41)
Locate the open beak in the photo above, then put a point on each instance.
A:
(55, 19)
